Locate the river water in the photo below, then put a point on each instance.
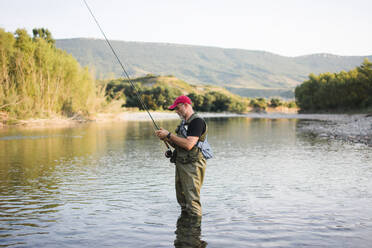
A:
(109, 184)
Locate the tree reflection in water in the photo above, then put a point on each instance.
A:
(188, 232)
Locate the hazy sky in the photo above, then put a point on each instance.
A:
(285, 27)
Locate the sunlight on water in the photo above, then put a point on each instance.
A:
(110, 185)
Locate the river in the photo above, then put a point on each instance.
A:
(109, 184)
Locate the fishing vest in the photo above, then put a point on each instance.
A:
(201, 150)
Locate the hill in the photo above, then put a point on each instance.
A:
(245, 72)
(158, 92)
(171, 82)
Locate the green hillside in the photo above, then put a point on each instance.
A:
(158, 93)
(245, 72)
(169, 81)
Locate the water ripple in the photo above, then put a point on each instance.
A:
(266, 187)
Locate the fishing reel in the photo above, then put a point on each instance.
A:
(168, 153)
(172, 155)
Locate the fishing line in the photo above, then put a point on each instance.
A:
(122, 66)
(125, 72)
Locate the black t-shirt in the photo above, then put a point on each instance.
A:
(196, 127)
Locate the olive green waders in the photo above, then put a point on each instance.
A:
(189, 179)
(190, 170)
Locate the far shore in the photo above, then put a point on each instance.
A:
(355, 128)
(104, 117)
(61, 121)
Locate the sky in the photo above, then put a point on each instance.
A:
(284, 27)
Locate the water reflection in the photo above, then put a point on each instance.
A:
(110, 185)
(188, 233)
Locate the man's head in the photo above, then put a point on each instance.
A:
(182, 106)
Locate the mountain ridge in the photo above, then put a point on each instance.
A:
(232, 68)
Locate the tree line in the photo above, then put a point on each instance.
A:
(341, 91)
(161, 97)
(39, 80)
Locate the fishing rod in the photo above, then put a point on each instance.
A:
(168, 153)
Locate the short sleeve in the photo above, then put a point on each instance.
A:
(196, 127)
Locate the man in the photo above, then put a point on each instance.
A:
(191, 152)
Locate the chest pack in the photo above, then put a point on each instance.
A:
(202, 147)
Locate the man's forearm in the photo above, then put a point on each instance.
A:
(186, 143)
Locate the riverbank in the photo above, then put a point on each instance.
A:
(352, 128)
(355, 128)
(59, 121)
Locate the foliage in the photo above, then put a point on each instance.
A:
(160, 96)
(337, 91)
(43, 33)
(258, 103)
(291, 104)
(275, 102)
(215, 101)
(159, 92)
(37, 79)
(155, 98)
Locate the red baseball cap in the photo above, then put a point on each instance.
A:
(180, 99)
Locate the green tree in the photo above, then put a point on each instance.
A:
(331, 91)
(197, 101)
(37, 79)
(221, 102)
(275, 102)
(43, 33)
(237, 106)
(258, 103)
